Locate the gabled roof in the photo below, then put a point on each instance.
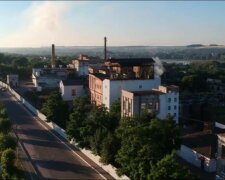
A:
(72, 82)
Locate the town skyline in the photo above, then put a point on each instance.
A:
(147, 23)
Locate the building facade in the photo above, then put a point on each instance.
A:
(71, 88)
(107, 82)
(13, 80)
(81, 65)
(163, 101)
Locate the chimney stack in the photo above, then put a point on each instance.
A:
(105, 49)
(53, 63)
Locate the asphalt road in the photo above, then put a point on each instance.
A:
(49, 156)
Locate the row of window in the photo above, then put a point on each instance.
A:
(170, 99)
(174, 107)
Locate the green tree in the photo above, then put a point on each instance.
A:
(7, 161)
(109, 149)
(77, 118)
(144, 144)
(96, 140)
(5, 126)
(168, 169)
(55, 109)
(7, 141)
(20, 61)
(3, 113)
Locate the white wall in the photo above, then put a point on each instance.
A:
(112, 89)
(164, 103)
(192, 156)
(66, 91)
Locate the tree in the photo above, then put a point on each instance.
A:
(55, 109)
(144, 144)
(20, 61)
(5, 126)
(7, 161)
(109, 148)
(3, 113)
(167, 168)
(96, 140)
(7, 141)
(77, 118)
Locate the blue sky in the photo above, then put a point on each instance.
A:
(35, 24)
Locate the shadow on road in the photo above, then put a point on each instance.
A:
(50, 144)
(64, 166)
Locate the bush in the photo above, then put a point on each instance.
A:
(7, 161)
(5, 126)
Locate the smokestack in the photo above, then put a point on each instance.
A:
(105, 50)
(53, 56)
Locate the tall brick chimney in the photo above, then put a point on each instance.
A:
(53, 61)
(105, 49)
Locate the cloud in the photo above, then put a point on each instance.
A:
(44, 23)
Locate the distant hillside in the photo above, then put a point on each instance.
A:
(195, 45)
(190, 52)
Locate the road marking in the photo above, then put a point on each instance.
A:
(44, 126)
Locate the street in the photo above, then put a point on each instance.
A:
(50, 156)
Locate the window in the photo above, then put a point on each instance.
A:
(169, 99)
(140, 86)
(223, 152)
(174, 114)
(175, 107)
(73, 92)
(175, 99)
(129, 107)
(168, 107)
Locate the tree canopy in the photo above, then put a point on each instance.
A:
(168, 169)
(55, 109)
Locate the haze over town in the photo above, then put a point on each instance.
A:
(76, 23)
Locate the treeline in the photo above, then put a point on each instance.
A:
(193, 77)
(22, 65)
(141, 148)
(9, 160)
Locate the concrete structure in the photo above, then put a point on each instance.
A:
(81, 65)
(71, 88)
(53, 58)
(199, 149)
(106, 83)
(163, 101)
(48, 77)
(13, 80)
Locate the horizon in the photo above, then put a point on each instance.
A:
(135, 23)
(108, 46)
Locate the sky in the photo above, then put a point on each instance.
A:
(124, 23)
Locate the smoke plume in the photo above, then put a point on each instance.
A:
(158, 67)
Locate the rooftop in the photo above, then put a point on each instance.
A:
(147, 92)
(100, 76)
(72, 82)
(131, 61)
(203, 142)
